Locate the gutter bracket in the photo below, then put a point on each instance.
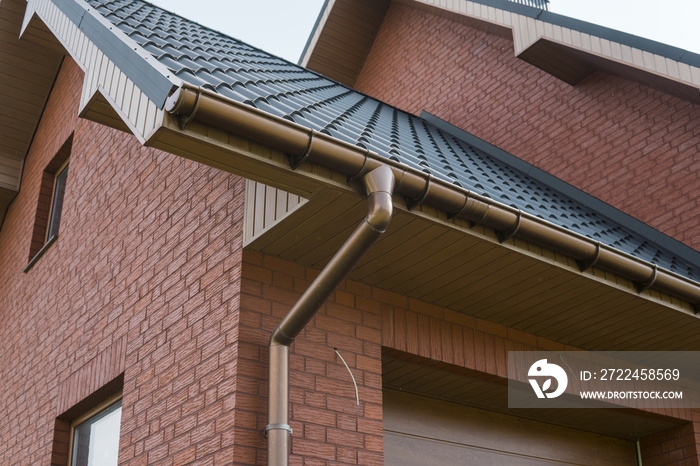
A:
(183, 120)
(505, 235)
(469, 211)
(641, 287)
(412, 203)
(588, 263)
(296, 160)
(363, 171)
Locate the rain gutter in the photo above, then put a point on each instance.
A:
(382, 178)
(305, 145)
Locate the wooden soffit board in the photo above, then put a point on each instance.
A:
(28, 68)
(343, 37)
(466, 269)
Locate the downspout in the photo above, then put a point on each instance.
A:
(379, 184)
(189, 103)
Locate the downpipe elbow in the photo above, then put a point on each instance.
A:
(380, 209)
(380, 185)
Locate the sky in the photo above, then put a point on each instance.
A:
(282, 27)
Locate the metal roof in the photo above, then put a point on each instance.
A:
(210, 59)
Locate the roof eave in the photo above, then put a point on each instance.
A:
(110, 94)
(25, 83)
(567, 48)
(190, 103)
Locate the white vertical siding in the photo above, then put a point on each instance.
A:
(10, 172)
(139, 113)
(264, 207)
(527, 31)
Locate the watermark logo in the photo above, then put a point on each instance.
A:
(546, 372)
(604, 379)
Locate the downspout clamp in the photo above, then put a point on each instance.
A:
(379, 184)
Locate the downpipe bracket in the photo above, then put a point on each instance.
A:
(277, 427)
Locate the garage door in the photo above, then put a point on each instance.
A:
(422, 431)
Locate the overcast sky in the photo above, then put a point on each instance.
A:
(282, 27)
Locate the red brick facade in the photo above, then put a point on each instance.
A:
(362, 322)
(631, 146)
(142, 286)
(148, 289)
(677, 446)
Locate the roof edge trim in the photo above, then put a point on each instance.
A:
(670, 69)
(193, 103)
(314, 31)
(658, 48)
(152, 78)
(647, 232)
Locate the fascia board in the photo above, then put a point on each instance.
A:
(131, 81)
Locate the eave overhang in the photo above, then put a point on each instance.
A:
(28, 68)
(124, 86)
(526, 277)
(303, 145)
(564, 47)
(549, 261)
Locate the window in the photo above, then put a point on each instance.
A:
(49, 209)
(95, 435)
(59, 189)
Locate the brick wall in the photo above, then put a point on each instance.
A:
(631, 146)
(362, 322)
(677, 447)
(147, 287)
(142, 284)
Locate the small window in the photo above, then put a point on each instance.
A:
(95, 435)
(59, 189)
(49, 210)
